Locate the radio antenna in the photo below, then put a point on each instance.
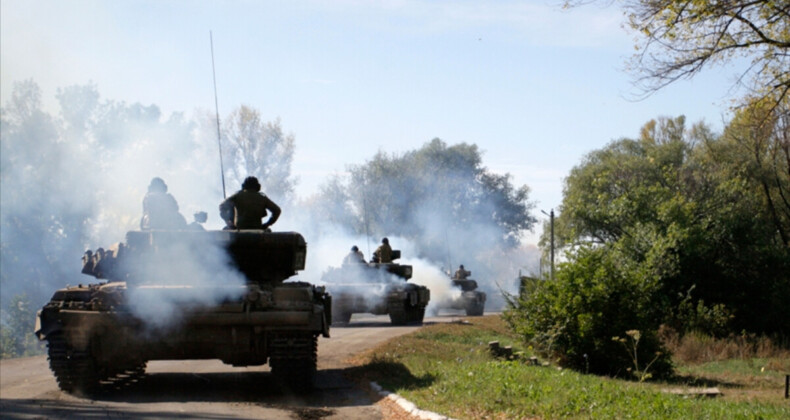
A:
(216, 107)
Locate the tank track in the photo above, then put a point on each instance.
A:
(294, 360)
(78, 371)
(475, 309)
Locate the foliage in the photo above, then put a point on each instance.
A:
(680, 205)
(254, 148)
(679, 38)
(16, 331)
(756, 145)
(573, 318)
(430, 195)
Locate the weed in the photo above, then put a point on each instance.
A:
(632, 348)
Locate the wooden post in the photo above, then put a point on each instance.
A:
(787, 386)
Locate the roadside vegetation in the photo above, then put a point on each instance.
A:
(679, 231)
(448, 369)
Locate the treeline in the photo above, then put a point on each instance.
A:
(677, 229)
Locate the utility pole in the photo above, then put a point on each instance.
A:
(551, 222)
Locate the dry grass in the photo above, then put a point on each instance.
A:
(696, 348)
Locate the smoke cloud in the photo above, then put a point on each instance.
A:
(76, 180)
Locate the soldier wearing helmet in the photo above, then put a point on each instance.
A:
(354, 256)
(461, 274)
(200, 218)
(247, 208)
(383, 253)
(160, 209)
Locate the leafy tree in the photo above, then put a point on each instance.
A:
(254, 148)
(436, 194)
(758, 140)
(672, 205)
(679, 38)
(671, 228)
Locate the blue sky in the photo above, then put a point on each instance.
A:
(536, 87)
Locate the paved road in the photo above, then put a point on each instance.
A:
(208, 389)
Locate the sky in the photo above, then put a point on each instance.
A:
(535, 86)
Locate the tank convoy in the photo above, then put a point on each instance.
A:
(470, 300)
(376, 288)
(176, 295)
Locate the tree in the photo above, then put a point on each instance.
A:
(679, 38)
(254, 148)
(438, 196)
(760, 140)
(679, 204)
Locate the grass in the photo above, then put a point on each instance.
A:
(447, 368)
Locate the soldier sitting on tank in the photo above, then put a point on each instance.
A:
(354, 257)
(160, 209)
(383, 254)
(461, 274)
(197, 224)
(246, 208)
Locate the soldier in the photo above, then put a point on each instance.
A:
(461, 274)
(354, 257)
(383, 253)
(200, 218)
(160, 209)
(246, 208)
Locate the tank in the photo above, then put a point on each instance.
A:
(177, 295)
(376, 288)
(470, 300)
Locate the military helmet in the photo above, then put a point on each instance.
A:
(354, 248)
(157, 185)
(201, 217)
(385, 240)
(251, 183)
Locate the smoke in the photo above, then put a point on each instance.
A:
(437, 281)
(181, 276)
(76, 180)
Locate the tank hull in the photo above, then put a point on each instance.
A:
(379, 289)
(101, 333)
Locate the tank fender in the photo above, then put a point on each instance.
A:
(44, 328)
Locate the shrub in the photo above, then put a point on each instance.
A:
(574, 318)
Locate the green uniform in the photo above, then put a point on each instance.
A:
(246, 209)
(384, 253)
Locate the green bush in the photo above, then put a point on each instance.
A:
(583, 318)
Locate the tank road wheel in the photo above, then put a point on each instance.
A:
(76, 371)
(402, 313)
(294, 360)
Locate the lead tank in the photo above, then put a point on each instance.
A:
(376, 288)
(175, 295)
